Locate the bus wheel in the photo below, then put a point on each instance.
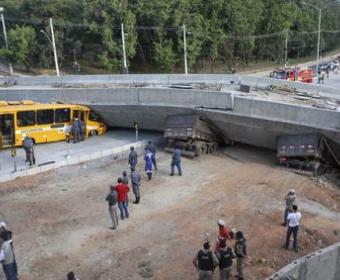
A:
(93, 133)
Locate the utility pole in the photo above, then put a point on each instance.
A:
(319, 36)
(125, 70)
(5, 37)
(286, 49)
(185, 50)
(54, 48)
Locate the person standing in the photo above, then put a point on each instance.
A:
(72, 276)
(111, 199)
(151, 147)
(225, 257)
(241, 253)
(293, 220)
(205, 262)
(176, 161)
(8, 235)
(122, 190)
(290, 201)
(7, 257)
(75, 130)
(81, 130)
(25, 145)
(132, 157)
(135, 181)
(223, 234)
(29, 150)
(148, 164)
(125, 179)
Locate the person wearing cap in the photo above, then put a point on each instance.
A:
(135, 181)
(225, 257)
(132, 157)
(290, 201)
(293, 227)
(112, 199)
(240, 252)
(7, 257)
(151, 147)
(223, 234)
(205, 262)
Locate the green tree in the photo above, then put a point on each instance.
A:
(104, 19)
(22, 45)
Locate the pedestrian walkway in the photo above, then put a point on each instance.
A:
(54, 155)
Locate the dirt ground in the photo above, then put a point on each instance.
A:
(61, 223)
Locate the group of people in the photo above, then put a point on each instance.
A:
(207, 260)
(150, 160)
(117, 197)
(78, 130)
(292, 218)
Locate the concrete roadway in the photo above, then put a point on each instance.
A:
(59, 151)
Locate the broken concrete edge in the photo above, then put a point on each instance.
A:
(321, 264)
(120, 152)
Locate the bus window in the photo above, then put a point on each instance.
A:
(45, 116)
(94, 117)
(26, 118)
(62, 115)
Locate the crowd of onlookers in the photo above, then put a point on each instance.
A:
(206, 260)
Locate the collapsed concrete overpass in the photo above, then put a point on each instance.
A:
(255, 118)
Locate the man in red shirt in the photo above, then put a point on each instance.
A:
(223, 234)
(122, 190)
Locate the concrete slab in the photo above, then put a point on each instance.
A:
(54, 155)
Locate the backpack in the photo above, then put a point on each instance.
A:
(111, 198)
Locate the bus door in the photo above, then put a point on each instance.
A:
(81, 115)
(6, 130)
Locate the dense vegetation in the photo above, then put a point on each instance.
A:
(219, 32)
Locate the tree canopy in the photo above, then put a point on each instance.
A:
(219, 32)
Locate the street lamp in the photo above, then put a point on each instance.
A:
(319, 27)
(185, 50)
(125, 69)
(5, 36)
(52, 42)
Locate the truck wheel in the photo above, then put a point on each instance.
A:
(213, 148)
(201, 149)
(93, 133)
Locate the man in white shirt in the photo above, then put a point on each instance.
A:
(293, 220)
(7, 258)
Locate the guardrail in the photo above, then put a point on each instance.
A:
(322, 264)
(166, 79)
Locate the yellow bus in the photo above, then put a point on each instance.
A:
(43, 122)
